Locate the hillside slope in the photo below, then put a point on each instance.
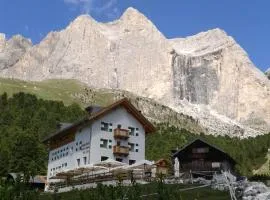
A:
(70, 91)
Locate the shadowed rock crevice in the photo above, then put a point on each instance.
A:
(193, 79)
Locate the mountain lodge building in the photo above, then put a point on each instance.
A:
(116, 132)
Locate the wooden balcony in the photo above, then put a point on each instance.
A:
(120, 150)
(121, 133)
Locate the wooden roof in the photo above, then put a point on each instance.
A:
(203, 141)
(162, 162)
(148, 126)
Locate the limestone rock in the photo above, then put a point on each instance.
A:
(12, 50)
(267, 72)
(256, 191)
(207, 76)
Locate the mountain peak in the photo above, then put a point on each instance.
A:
(132, 11)
(20, 41)
(84, 17)
(2, 36)
(202, 42)
(133, 16)
(81, 21)
(2, 41)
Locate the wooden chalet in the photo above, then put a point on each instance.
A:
(200, 156)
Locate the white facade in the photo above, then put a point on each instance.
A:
(95, 142)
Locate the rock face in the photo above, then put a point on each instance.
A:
(268, 73)
(207, 76)
(12, 50)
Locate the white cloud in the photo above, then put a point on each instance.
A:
(84, 5)
(108, 8)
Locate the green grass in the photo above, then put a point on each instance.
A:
(68, 91)
(154, 191)
(265, 168)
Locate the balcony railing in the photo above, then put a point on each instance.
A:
(120, 150)
(121, 133)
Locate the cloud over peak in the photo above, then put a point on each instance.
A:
(105, 8)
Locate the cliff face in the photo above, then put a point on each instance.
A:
(207, 76)
(12, 50)
(212, 69)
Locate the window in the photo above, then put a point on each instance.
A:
(65, 164)
(84, 160)
(131, 162)
(80, 142)
(118, 143)
(131, 147)
(104, 126)
(137, 134)
(103, 143)
(200, 150)
(78, 162)
(119, 159)
(131, 130)
(137, 148)
(104, 158)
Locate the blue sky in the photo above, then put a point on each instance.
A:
(248, 21)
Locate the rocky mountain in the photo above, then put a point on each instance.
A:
(268, 73)
(207, 76)
(12, 50)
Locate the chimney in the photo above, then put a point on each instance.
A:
(93, 109)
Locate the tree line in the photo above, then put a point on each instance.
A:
(24, 121)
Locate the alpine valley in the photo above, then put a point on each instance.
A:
(205, 83)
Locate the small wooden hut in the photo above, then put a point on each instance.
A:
(162, 166)
(200, 156)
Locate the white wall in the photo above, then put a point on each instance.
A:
(118, 116)
(88, 145)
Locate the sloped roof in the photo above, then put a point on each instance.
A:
(203, 141)
(148, 126)
(35, 179)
